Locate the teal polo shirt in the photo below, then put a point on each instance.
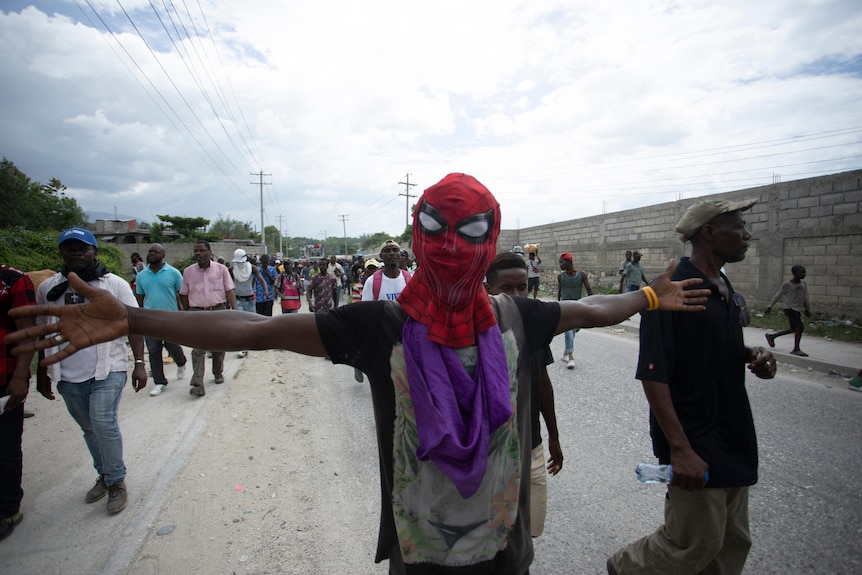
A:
(159, 289)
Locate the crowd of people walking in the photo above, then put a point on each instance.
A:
(456, 355)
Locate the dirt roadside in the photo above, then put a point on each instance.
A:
(274, 472)
(260, 493)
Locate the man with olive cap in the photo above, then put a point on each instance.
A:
(92, 381)
(692, 367)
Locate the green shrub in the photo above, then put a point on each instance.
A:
(31, 251)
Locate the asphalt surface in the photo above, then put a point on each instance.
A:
(805, 510)
(802, 509)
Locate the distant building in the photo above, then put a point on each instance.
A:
(126, 232)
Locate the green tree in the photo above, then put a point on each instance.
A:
(233, 229)
(271, 234)
(370, 243)
(406, 238)
(34, 206)
(157, 233)
(191, 228)
(29, 251)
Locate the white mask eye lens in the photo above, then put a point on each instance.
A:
(475, 229)
(428, 223)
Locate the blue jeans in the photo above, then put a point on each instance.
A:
(94, 405)
(246, 305)
(157, 364)
(569, 339)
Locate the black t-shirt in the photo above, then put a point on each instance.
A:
(364, 334)
(701, 356)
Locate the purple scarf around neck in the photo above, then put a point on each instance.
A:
(455, 413)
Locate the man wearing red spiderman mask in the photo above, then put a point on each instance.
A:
(449, 371)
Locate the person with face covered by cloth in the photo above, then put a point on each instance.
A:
(449, 372)
(92, 380)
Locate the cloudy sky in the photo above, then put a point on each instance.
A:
(563, 108)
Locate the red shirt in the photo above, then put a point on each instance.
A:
(16, 290)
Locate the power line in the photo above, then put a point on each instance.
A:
(229, 83)
(176, 88)
(200, 147)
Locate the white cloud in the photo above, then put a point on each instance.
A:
(563, 109)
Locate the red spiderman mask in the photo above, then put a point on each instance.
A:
(455, 229)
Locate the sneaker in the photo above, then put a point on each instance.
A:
(181, 371)
(219, 379)
(243, 353)
(98, 491)
(158, 389)
(7, 524)
(856, 383)
(571, 363)
(117, 497)
(197, 391)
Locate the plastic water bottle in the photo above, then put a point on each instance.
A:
(651, 473)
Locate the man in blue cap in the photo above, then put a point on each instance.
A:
(92, 381)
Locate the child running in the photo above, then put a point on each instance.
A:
(795, 293)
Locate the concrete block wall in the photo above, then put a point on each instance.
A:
(816, 222)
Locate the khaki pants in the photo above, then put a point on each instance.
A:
(705, 532)
(538, 492)
(199, 357)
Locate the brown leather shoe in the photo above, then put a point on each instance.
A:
(98, 491)
(197, 391)
(117, 497)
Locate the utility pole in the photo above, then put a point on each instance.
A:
(344, 224)
(407, 197)
(260, 181)
(280, 234)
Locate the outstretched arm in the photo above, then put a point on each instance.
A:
(602, 310)
(104, 318)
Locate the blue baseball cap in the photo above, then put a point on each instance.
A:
(79, 234)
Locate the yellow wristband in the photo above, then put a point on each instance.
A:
(652, 298)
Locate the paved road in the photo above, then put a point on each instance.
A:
(805, 511)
